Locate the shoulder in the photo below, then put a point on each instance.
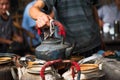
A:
(29, 5)
(27, 8)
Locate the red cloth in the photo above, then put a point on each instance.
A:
(61, 29)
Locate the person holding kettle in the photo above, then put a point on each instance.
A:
(79, 18)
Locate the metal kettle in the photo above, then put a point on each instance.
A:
(54, 48)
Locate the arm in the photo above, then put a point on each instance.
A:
(8, 41)
(35, 9)
(41, 18)
(5, 41)
(101, 23)
(96, 17)
(17, 38)
(101, 16)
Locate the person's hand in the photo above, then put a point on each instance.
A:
(43, 20)
(18, 39)
(16, 60)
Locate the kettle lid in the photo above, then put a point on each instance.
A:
(52, 41)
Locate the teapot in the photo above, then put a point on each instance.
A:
(39, 71)
(54, 48)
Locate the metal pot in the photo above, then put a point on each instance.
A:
(88, 72)
(74, 66)
(8, 70)
(41, 72)
(54, 48)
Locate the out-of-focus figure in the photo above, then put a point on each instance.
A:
(109, 12)
(79, 19)
(10, 40)
(30, 25)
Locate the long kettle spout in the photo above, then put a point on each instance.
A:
(69, 51)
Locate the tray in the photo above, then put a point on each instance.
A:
(5, 60)
(85, 68)
(36, 69)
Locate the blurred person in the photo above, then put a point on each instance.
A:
(79, 18)
(30, 25)
(10, 40)
(109, 12)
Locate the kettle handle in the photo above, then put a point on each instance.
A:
(74, 65)
(60, 26)
(77, 67)
(49, 63)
